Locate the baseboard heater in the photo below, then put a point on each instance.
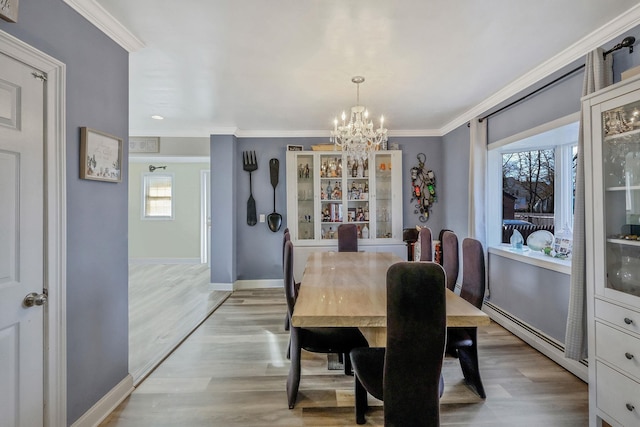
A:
(531, 331)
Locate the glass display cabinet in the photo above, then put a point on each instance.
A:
(612, 189)
(329, 188)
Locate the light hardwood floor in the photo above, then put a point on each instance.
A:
(232, 372)
(166, 302)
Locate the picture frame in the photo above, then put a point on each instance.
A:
(9, 10)
(100, 156)
(291, 147)
(144, 144)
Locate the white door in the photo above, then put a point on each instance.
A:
(21, 245)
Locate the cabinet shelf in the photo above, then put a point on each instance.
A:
(632, 135)
(624, 242)
(624, 188)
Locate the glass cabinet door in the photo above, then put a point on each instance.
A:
(331, 200)
(305, 197)
(358, 196)
(383, 191)
(621, 204)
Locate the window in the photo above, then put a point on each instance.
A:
(157, 196)
(532, 178)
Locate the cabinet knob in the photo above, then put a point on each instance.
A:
(630, 407)
(628, 321)
(628, 356)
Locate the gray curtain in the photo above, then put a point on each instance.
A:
(598, 73)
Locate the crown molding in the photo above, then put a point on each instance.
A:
(283, 133)
(145, 158)
(595, 39)
(414, 133)
(106, 23)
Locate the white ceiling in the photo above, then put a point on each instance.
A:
(284, 67)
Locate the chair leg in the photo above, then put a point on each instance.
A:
(468, 357)
(293, 380)
(361, 402)
(289, 349)
(286, 322)
(346, 360)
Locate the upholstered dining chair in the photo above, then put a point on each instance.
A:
(406, 375)
(424, 238)
(449, 259)
(462, 342)
(317, 340)
(285, 238)
(347, 238)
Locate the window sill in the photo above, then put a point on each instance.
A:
(533, 258)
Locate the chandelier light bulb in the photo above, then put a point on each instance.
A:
(357, 136)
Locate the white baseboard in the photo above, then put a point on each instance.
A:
(106, 405)
(221, 287)
(258, 284)
(539, 341)
(164, 261)
(247, 284)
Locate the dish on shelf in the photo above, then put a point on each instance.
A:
(538, 240)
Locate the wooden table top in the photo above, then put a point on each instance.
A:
(349, 289)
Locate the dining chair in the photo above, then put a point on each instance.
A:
(462, 342)
(449, 258)
(425, 251)
(347, 238)
(316, 340)
(407, 374)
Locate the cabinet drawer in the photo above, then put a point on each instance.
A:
(618, 348)
(620, 316)
(618, 396)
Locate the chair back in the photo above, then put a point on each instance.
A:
(416, 332)
(285, 238)
(426, 253)
(347, 238)
(450, 262)
(473, 272)
(289, 285)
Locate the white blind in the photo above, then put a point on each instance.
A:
(158, 201)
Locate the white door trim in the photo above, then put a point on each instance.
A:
(55, 386)
(205, 220)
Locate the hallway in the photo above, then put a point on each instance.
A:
(166, 302)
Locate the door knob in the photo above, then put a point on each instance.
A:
(34, 299)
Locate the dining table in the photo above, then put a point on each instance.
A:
(349, 289)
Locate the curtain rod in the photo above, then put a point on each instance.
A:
(626, 42)
(565, 75)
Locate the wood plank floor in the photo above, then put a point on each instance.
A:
(232, 372)
(166, 302)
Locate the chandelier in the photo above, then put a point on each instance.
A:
(358, 137)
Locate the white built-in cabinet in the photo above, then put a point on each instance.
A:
(329, 188)
(612, 186)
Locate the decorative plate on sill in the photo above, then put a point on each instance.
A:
(538, 240)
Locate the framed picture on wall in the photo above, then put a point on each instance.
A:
(100, 156)
(144, 144)
(9, 10)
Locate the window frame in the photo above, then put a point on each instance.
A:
(143, 194)
(563, 190)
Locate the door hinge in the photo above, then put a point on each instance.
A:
(39, 76)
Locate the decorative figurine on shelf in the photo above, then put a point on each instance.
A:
(423, 183)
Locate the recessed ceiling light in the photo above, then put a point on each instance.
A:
(157, 117)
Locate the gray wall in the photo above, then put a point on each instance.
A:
(97, 273)
(455, 159)
(536, 295)
(257, 253)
